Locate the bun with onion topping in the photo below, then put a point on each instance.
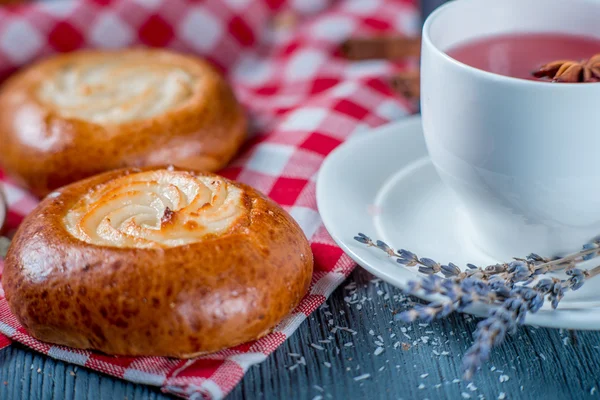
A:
(78, 114)
(155, 262)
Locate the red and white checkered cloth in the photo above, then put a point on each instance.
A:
(304, 100)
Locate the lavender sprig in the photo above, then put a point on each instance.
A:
(492, 330)
(506, 286)
(519, 270)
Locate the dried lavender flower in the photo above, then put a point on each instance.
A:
(362, 238)
(381, 245)
(507, 287)
(450, 270)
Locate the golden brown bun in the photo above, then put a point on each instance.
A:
(78, 114)
(245, 266)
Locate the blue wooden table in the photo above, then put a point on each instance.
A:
(418, 361)
(414, 361)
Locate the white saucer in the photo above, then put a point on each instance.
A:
(384, 185)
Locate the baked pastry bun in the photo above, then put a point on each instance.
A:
(155, 262)
(78, 114)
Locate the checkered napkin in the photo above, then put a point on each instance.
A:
(284, 61)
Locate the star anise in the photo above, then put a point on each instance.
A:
(569, 71)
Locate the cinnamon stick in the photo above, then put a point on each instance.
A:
(382, 47)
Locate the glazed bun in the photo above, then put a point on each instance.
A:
(156, 262)
(78, 114)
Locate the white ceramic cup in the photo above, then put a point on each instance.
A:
(522, 156)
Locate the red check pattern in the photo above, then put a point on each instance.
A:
(303, 98)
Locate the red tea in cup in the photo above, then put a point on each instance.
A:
(518, 55)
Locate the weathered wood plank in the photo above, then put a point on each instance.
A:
(539, 363)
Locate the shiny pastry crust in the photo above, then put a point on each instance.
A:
(218, 291)
(78, 114)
